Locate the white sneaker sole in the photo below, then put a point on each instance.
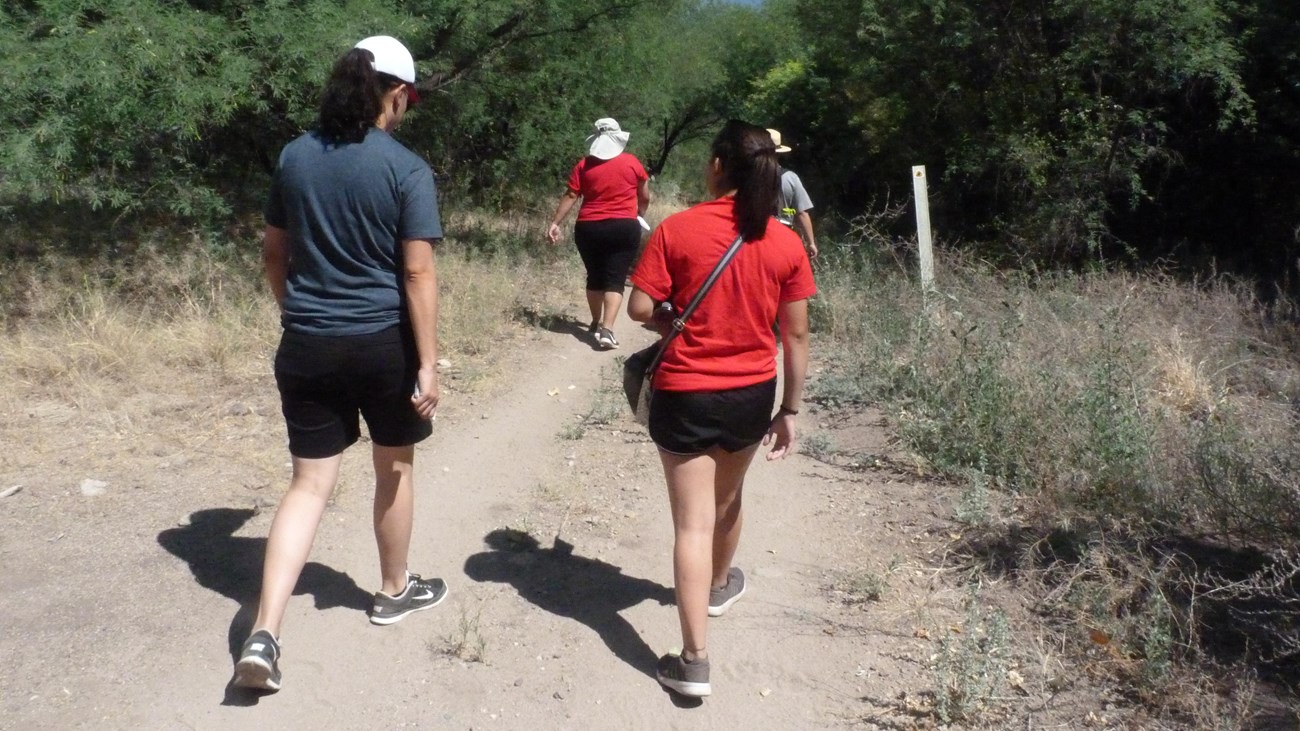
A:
(682, 687)
(256, 674)
(722, 608)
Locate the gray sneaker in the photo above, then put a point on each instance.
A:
(605, 339)
(687, 678)
(419, 594)
(720, 600)
(259, 663)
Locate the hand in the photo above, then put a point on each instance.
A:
(780, 435)
(553, 233)
(425, 398)
(812, 249)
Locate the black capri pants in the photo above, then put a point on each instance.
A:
(608, 249)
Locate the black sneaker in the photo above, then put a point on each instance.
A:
(593, 327)
(419, 594)
(259, 663)
(605, 339)
(690, 679)
(720, 600)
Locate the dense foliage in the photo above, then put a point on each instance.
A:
(1055, 130)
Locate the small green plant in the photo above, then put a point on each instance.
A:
(972, 664)
(466, 642)
(866, 586)
(575, 431)
(973, 506)
(1158, 641)
(818, 446)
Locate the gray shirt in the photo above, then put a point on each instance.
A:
(794, 199)
(348, 208)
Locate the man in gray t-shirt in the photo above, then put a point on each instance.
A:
(793, 207)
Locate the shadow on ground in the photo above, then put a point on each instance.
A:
(232, 566)
(584, 589)
(557, 323)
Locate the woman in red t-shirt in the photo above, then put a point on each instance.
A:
(615, 192)
(716, 385)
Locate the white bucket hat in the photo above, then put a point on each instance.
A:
(392, 58)
(609, 140)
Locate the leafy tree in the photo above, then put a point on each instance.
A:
(1037, 117)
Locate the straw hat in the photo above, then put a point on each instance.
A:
(776, 140)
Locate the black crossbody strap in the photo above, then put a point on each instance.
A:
(679, 323)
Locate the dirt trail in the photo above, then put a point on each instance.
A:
(123, 610)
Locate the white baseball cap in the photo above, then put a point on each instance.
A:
(392, 58)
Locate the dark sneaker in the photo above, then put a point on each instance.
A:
(419, 594)
(687, 678)
(593, 327)
(720, 600)
(259, 663)
(605, 339)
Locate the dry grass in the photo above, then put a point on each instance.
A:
(1147, 429)
(94, 332)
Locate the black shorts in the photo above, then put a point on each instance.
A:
(692, 422)
(326, 381)
(608, 250)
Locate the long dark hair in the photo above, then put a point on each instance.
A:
(748, 159)
(353, 97)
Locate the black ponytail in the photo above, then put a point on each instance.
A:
(353, 97)
(747, 156)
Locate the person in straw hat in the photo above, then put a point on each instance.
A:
(615, 192)
(794, 204)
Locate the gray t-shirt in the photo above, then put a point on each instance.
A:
(794, 199)
(347, 208)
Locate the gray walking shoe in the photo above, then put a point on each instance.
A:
(419, 594)
(720, 600)
(259, 663)
(605, 339)
(690, 679)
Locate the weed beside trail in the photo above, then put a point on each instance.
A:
(1145, 427)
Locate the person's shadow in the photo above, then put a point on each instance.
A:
(558, 323)
(232, 567)
(589, 591)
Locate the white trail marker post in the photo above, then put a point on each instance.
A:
(924, 241)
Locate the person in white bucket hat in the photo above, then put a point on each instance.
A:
(348, 251)
(615, 192)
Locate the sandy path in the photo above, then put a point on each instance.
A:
(109, 628)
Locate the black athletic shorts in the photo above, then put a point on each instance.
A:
(608, 250)
(692, 422)
(326, 381)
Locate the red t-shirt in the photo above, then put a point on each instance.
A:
(608, 187)
(728, 341)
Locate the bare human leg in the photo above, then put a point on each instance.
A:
(611, 302)
(394, 513)
(690, 495)
(292, 533)
(728, 488)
